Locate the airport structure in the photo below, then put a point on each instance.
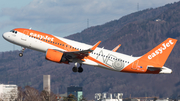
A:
(8, 92)
(108, 97)
(46, 83)
(76, 91)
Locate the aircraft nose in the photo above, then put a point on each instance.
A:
(6, 35)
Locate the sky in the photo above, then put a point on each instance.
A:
(65, 17)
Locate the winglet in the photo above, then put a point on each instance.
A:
(95, 46)
(116, 48)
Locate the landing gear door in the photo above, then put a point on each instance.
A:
(24, 35)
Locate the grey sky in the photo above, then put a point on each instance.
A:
(65, 17)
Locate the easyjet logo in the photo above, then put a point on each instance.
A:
(41, 36)
(160, 50)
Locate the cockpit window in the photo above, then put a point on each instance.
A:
(13, 31)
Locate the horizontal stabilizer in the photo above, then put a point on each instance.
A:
(154, 68)
(163, 70)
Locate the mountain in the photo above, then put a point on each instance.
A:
(137, 33)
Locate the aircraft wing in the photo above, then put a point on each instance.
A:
(79, 55)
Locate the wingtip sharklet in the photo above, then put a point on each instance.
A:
(116, 48)
(95, 46)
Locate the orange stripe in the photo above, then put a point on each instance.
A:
(135, 67)
(47, 38)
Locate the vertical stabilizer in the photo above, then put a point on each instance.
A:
(160, 53)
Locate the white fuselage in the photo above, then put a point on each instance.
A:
(116, 61)
(64, 50)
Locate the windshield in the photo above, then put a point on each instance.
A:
(13, 31)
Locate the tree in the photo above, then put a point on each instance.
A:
(31, 94)
(20, 94)
(45, 96)
(70, 97)
(82, 98)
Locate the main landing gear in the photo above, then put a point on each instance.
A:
(21, 54)
(77, 69)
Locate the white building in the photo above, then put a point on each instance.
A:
(167, 99)
(8, 92)
(108, 97)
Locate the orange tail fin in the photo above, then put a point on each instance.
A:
(160, 53)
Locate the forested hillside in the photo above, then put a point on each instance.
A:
(138, 33)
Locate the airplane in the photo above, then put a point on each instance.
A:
(62, 50)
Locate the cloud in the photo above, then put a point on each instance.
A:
(65, 17)
(62, 11)
(72, 15)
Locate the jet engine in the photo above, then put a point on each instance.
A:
(55, 56)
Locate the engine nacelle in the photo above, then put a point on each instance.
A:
(54, 55)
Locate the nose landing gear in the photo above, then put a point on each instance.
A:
(79, 69)
(21, 54)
